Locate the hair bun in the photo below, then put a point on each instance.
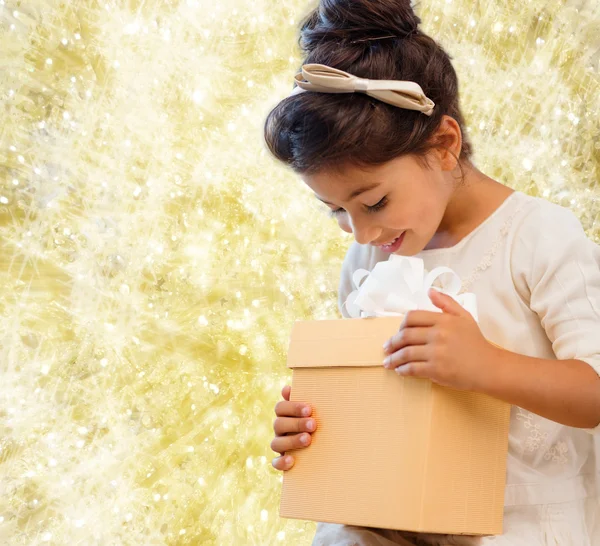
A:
(358, 21)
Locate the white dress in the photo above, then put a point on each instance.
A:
(537, 280)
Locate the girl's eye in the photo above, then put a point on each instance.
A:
(370, 208)
(377, 206)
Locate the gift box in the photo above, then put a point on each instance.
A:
(390, 451)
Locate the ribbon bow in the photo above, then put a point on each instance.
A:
(399, 285)
(325, 79)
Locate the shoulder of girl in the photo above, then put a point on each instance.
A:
(547, 225)
(544, 216)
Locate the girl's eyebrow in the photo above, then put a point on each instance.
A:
(355, 193)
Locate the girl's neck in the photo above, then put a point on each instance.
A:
(471, 203)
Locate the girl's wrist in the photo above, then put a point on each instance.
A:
(493, 366)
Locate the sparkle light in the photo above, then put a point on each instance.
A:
(155, 257)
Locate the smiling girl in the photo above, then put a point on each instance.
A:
(374, 128)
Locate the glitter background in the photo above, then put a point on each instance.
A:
(154, 257)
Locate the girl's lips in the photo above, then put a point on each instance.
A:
(395, 245)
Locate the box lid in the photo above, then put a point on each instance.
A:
(341, 342)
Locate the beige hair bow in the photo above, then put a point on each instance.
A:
(325, 79)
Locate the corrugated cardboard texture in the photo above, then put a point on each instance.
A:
(392, 452)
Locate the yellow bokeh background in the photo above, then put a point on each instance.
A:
(154, 256)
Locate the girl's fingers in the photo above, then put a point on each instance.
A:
(407, 336)
(285, 462)
(414, 369)
(283, 408)
(281, 444)
(422, 318)
(292, 428)
(285, 425)
(411, 353)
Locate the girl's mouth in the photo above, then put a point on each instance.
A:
(394, 245)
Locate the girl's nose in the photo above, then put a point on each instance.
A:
(365, 233)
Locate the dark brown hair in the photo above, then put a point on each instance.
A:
(376, 39)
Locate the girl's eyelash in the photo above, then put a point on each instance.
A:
(379, 205)
(373, 208)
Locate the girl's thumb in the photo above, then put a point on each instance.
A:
(445, 302)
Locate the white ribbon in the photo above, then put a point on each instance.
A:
(399, 285)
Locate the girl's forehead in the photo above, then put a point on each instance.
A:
(344, 187)
(349, 182)
(354, 176)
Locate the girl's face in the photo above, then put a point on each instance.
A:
(399, 201)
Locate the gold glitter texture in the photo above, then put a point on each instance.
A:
(154, 256)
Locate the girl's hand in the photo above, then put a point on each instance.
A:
(292, 429)
(447, 348)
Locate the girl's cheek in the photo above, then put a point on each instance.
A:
(344, 224)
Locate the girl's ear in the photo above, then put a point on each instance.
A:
(448, 141)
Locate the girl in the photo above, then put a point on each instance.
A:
(375, 129)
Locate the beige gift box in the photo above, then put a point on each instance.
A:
(389, 451)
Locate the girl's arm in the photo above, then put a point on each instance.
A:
(450, 349)
(565, 391)
(556, 271)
